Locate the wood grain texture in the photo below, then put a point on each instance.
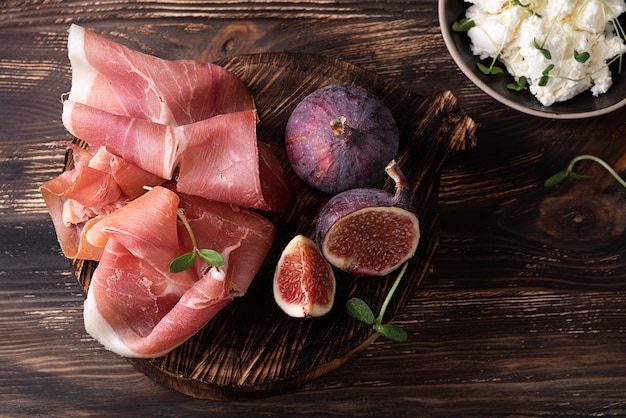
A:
(518, 318)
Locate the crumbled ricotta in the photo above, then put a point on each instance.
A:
(511, 31)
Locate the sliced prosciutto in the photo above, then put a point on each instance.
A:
(99, 184)
(158, 114)
(112, 77)
(162, 136)
(219, 158)
(225, 162)
(135, 306)
(76, 199)
(154, 147)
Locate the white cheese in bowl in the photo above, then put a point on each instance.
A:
(541, 39)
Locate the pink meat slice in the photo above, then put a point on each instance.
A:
(219, 158)
(135, 306)
(132, 103)
(76, 200)
(224, 161)
(131, 179)
(119, 80)
(153, 147)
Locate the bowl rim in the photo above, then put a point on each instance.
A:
(456, 56)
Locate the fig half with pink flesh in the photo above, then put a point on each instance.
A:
(304, 283)
(367, 231)
(341, 137)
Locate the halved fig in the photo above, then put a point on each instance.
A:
(367, 231)
(304, 283)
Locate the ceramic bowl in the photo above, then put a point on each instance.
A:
(582, 106)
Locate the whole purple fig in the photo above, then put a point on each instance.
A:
(367, 231)
(341, 137)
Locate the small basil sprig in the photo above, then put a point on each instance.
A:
(569, 171)
(357, 308)
(185, 261)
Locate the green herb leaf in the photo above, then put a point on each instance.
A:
(393, 332)
(463, 25)
(211, 257)
(489, 70)
(569, 171)
(183, 262)
(546, 53)
(519, 85)
(358, 309)
(483, 68)
(545, 75)
(581, 56)
(556, 178)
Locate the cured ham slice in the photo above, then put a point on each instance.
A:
(75, 200)
(225, 162)
(154, 147)
(219, 158)
(135, 306)
(131, 179)
(98, 184)
(148, 111)
(112, 77)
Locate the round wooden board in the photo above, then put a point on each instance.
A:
(251, 348)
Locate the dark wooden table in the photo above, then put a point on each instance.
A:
(523, 313)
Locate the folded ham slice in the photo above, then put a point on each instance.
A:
(149, 111)
(135, 306)
(98, 184)
(112, 77)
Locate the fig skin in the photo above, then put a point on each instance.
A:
(341, 137)
(359, 201)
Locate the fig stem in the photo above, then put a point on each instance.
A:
(383, 308)
(401, 197)
(339, 126)
(393, 171)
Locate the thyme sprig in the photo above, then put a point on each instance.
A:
(187, 260)
(357, 308)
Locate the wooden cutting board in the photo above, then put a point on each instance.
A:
(251, 348)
